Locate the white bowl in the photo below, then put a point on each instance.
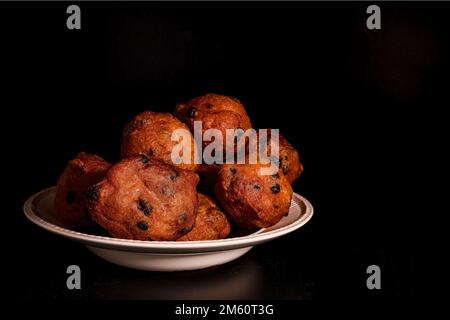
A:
(165, 255)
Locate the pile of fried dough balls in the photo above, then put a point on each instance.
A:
(145, 196)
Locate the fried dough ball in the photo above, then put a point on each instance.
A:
(150, 133)
(143, 198)
(215, 111)
(79, 174)
(253, 200)
(211, 223)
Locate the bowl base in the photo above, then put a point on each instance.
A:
(168, 262)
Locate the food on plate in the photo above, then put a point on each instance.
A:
(143, 198)
(210, 224)
(253, 200)
(149, 196)
(150, 133)
(81, 172)
(214, 111)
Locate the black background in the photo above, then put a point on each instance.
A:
(356, 103)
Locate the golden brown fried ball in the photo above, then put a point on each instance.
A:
(150, 133)
(215, 111)
(144, 198)
(253, 200)
(79, 174)
(211, 223)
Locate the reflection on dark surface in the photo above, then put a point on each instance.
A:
(242, 280)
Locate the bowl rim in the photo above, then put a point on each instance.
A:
(259, 236)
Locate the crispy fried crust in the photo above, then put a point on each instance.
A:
(211, 223)
(144, 198)
(79, 174)
(253, 200)
(150, 133)
(215, 111)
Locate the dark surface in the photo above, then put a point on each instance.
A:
(358, 104)
(287, 268)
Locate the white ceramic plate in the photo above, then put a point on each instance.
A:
(165, 255)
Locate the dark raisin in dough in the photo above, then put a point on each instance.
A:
(145, 207)
(191, 112)
(275, 188)
(142, 225)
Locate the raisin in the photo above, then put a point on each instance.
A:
(145, 207)
(191, 112)
(143, 158)
(175, 175)
(142, 225)
(276, 175)
(275, 188)
(182, 218)
(233, 170)
(286, 214)
(133, 126)
(92, 193)
(257, 186)
(285, 169)
(184, 230)
(70, 197)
